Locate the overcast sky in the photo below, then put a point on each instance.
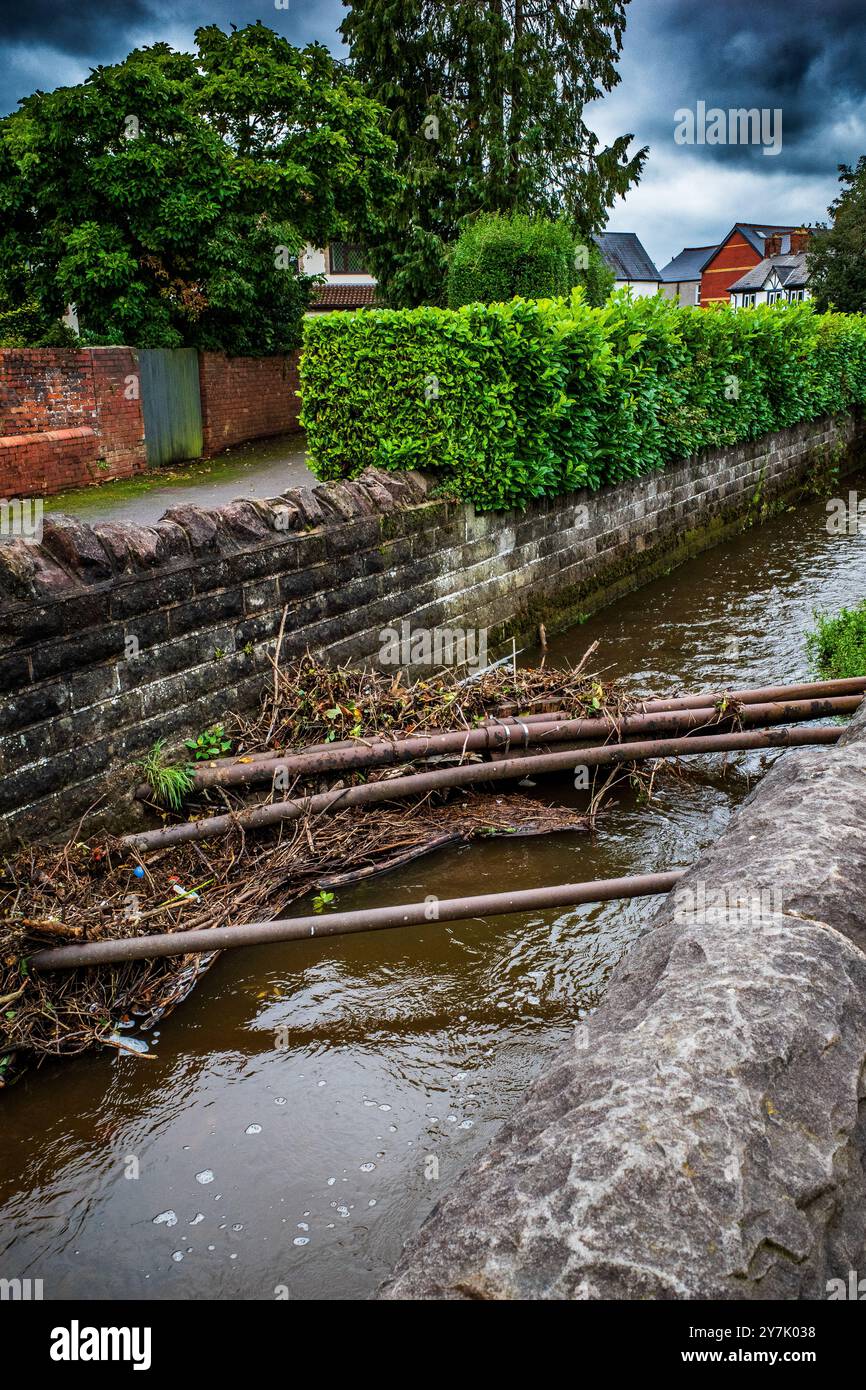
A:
(805, 57)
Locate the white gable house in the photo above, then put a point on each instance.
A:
(630, 263)
(782, 277)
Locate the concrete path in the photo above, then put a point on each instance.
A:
(263, 469)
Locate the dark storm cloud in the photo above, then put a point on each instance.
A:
(48, 44)
(807, 57)
(74, 29)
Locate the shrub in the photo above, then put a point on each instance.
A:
(500, 256)
(596, 279)
(27, 326)
(530, 398)
(837, 646)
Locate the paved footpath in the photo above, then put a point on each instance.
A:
(262, 469)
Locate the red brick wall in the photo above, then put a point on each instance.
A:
(247, 398)
(45, 389)
(65, 419)
(732, 260)
(118, 409)
(69, 416)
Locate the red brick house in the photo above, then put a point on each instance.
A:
(740, 251)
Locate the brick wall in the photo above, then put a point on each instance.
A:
(65, 419)
(45, 389)
(118, 409)
(112, 636)
(247, 398)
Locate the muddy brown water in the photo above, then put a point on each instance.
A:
(311, 1101)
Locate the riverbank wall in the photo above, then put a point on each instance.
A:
(114, 635)
(705, 1135)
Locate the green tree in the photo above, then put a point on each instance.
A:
(168, 196)
(487, 101)
(596, 277)
(837, 253)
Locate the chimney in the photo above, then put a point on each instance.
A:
(800, 240)
(773, 244)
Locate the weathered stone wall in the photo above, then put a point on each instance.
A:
(112, 636)
(707, 1139)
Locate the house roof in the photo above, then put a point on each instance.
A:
(688, 264)
(344, 297)
(791, 270)
(757, 232)
(626, 256)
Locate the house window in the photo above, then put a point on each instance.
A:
(773, 296)
(748, 301)
(346, 258)
(796, 294)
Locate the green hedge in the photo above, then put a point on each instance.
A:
(532, 398)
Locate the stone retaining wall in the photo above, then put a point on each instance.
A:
(112, 636)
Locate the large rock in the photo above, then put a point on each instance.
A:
(706, 1135)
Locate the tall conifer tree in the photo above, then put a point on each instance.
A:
(486, 102)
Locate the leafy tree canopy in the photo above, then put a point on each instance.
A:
(837, 254)
(487, 105)
(168, 196)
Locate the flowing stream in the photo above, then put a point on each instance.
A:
(312, 1100)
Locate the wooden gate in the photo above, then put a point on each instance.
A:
(170, 404)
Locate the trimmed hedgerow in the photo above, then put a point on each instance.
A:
(532, 398)
(475, 391)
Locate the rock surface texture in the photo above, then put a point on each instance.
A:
(706, 1138)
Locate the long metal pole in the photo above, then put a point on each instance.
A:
(499, 738)
(429, 912)
(419, 784)
(757, 695)
(761, 695)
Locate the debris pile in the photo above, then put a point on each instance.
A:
(51, 895)
(380, 774)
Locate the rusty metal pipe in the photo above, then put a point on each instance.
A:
(419, 784)
(181, 943)
(759, 695)
(500, 738)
